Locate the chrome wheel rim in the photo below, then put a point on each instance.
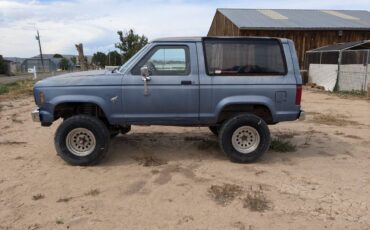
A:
(80, 142)
(245, 139)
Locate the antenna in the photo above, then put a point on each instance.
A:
(42, 59)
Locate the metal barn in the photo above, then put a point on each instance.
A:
(309, 29)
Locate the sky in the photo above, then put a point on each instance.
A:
(95, 22)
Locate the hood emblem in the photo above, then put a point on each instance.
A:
(114, 99)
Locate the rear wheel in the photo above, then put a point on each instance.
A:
(82, 140)
(244, 138)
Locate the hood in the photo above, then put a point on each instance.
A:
(93, 77)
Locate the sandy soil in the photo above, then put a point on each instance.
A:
(177, 178)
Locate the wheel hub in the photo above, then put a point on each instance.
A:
(245, 139)
(80, 142)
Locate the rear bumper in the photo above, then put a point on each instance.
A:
(36, 115)
(302, 116)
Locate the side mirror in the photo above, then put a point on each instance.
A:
(145, 77)
(144, 71)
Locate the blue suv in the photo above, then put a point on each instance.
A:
(236, 86)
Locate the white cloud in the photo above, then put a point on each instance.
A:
(95, 22)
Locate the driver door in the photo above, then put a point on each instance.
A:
(172, 91)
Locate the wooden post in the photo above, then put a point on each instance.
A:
(367, 75)
(338, 73)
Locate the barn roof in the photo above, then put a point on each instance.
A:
(344, 46)
(294, 19)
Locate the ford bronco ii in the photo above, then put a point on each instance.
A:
(236, 86)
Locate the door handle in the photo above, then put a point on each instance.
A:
(186, 82)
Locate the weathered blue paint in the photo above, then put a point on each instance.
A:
(120, 95)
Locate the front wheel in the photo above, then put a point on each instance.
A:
(244, 138)
(82, 140)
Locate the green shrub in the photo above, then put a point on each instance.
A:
(280, 145)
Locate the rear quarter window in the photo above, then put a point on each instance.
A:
(244, 57)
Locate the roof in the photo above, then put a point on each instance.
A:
(14, 59)
(57, 60)
(344, 46)
(199, 39)
(178, 39)
(294, 19)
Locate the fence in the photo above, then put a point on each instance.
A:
(345, 70)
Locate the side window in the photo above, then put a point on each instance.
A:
(165, 60)
(244, 57)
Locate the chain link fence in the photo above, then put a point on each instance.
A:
(345, 70)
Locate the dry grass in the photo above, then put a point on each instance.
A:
(15, 119)
(288, 134)
(224, 194)
(93, 192)
(353, 137)
(309, 136)
(280, 145)
(240, 225)
(333, 119)
(59, 221)
(149, 161)
(155, 171)
(350, 94)
(64, 199)
(12, 142)
(256, 201)
(12, 90)
(338, 133)
(38, 196)
(355, 94)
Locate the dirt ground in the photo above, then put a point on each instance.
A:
(177, 178)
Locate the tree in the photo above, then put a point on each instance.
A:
(74, 60)
(130, 43)
(4, 68)
(113, 58)
(99, 59)
(64, 64)
(57, 56)
(81, 57)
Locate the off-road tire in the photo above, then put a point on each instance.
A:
(229, 127)
(99, 130)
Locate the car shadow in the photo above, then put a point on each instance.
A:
(135, 148)
(167, 147)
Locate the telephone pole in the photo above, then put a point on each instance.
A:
(42, 60)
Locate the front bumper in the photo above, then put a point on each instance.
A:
(36, 115)
(302, 116)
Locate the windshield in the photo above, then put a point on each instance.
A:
(132, 59)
